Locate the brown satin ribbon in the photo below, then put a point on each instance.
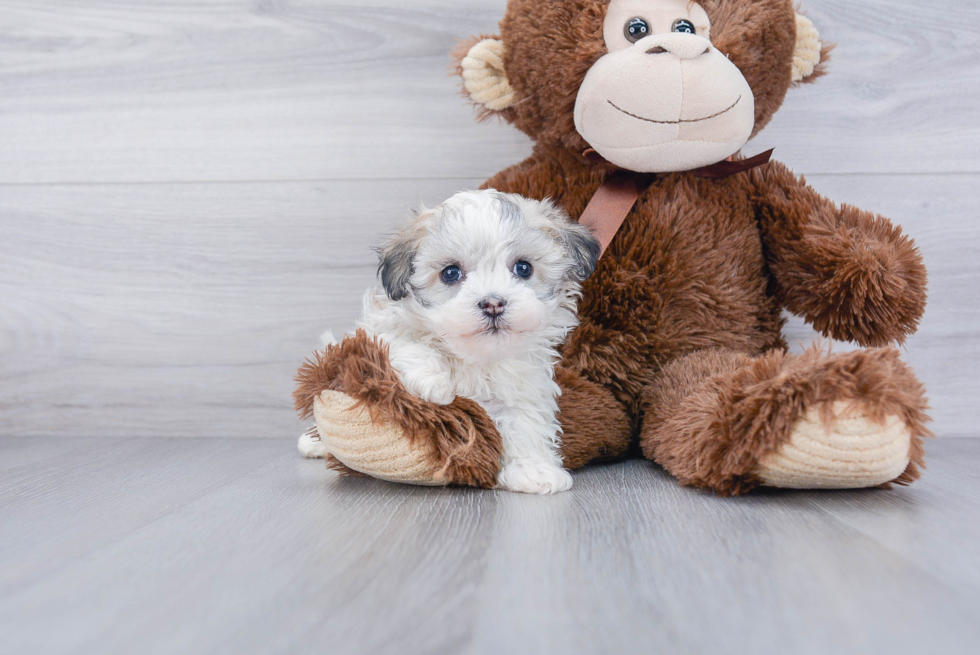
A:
(610, 206)
(728, 168)
(612, 202)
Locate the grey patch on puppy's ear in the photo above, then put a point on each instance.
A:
(583, 248)
(577, 240)
(508, 208)
(396, 258)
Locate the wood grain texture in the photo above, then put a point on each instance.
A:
(150, 299)
(153, 310)
(239, 546)
(184, 310)
(188, 90)
(223, 90)
(189, 190)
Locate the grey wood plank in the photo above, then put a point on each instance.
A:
(103, 493)
(903, 78)
(148, 309)
(111, 91)
(287, 558)
(678, 571)
(184, 310)
(929, 523)
(238, 90)
(23, 452)
(245, 559)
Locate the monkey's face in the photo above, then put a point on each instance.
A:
(652, 85)
(664, 98)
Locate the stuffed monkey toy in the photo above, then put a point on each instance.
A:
(639, 110)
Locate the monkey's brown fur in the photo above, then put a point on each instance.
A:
(730, 410)
(680, 343)
(467, 446)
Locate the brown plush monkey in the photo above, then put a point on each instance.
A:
(679, 351)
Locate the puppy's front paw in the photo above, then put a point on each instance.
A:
(310, 445)
(530, 476)
(434, 386)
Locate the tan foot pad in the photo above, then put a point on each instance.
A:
(378, 449)
(848, 452)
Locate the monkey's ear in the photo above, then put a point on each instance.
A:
(810, 56)
(482, 69)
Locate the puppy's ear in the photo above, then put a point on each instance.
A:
(576, 240)
(396, 257)
(582, 247)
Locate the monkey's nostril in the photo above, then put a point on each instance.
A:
(659, 50)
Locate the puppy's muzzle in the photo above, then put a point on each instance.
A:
(492, 307)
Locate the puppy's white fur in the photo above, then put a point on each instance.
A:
(443, 344)
(311, 445)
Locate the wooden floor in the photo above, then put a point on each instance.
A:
(189, 190)
(240, 546)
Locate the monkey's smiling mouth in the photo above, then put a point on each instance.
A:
(677, 122)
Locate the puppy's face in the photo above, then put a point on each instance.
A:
(490, 273)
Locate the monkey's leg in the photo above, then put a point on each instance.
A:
(594, 424)
(730, 422)
(369, 424)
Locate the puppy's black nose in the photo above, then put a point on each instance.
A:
(492, 306)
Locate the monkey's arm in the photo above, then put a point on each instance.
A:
(851, 274)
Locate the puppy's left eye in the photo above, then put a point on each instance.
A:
(451, 274)
(683, 26)
(523, 270)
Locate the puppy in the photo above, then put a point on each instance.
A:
(477, 295)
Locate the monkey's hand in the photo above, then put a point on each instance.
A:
(851, 274)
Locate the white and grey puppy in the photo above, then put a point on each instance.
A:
(477, 295)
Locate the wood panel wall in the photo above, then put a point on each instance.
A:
(189, 189)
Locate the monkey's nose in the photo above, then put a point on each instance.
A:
(492, 306)
(682, 46)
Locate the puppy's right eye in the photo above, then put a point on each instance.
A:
(451, 274)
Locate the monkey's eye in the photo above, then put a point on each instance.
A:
(636, 29)
(523, 270)
(683, 26)
(451, 274)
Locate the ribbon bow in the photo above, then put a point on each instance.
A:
(613, 201)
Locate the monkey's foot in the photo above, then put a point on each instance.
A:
(377, 447)
(839, 446)
(369, 424)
